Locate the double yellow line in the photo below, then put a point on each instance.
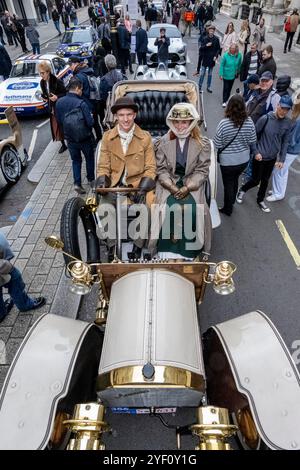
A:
(289, 242)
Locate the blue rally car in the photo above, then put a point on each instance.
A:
(80, 41)
(22, 89)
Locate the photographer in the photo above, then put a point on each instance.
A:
(162, 44)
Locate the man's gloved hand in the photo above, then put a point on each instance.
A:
(102, 181)
(182, 192)
(146, 185)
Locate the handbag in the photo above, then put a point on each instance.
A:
(219, 151)
(287, 25)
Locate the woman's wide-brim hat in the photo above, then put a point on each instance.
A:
(183, 112)
(124, 103)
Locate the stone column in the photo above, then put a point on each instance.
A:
(241, 4)
(274, 16)
(234, 8)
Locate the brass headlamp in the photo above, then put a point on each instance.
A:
(221, 277)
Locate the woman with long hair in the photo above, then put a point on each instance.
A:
(244, 36)
(280, 176)
(183, 160)
(234, 139)
(230, 37)
(230, 67)
(52, 89)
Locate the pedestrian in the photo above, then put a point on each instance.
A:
(265, 100)
(92, 14)
(163, 44)
(182, 10)
(124, 45)
(220, 4)
(229, 38)
(189, 17)
(5, 63)
(65, 18)
(183, 161)
(21, 33)
(55, 18)
(90, 88)
(244, 36)
(142, 7)
(107, 82)
(141, 43)
(52, 90)
(209, 13)
(229, 69)
(267, 62)
(176, 16)
(234, 140)
(250, 65)
(33, 37)
(251, 87)
(1, 36)
(73, 16)
(7, 28)
(280, 176)
(209, 50)
(282, 85)
(11, 279)
(75, 117)
(43, 11)
(259, 34)
(200, 16)
(290, 26)
(104, 29)
(273, 134)
(99, 66)
(128, 26)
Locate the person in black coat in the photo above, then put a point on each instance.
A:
(124, 44)
(210, 50)
(268, 63)
(141, 41)
(5, 62)
(21, 33)
(247, 62)
(52, 90)
(99, 66)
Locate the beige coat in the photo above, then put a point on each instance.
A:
(197, 171)
(139, 160)
(294, 20)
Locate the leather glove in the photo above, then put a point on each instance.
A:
(146, 185)
(182, 192)
(170, 186)
(102, 181)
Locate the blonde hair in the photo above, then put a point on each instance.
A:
(296, 111)
(44, 67)
(196, 134)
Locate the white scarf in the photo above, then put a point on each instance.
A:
(126, 138)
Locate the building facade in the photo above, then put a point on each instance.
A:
(273, 11)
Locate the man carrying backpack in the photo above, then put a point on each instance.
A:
(90, 90)
(189, 17)
(74, 115)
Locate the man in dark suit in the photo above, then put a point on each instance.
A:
(141, 43)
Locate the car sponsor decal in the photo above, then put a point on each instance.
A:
(22, 86)
(16, 98)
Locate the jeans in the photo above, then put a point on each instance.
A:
(227, 87)
(87, 148)
(262, 171)
(56, 24)
(16, 289)
(36, 48)
(45, 17)
(230, 177)
(288, 41)
(280, 177)
(202, 76)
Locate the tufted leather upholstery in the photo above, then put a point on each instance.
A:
(154, 107)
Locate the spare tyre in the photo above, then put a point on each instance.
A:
(78, 232)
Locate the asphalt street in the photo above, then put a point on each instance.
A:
(267, 277)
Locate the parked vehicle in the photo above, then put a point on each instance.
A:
(22, 89)
(177, 48)
(80, 41)
(13, 157)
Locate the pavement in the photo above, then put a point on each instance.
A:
(286, 63)
(47, 33)
(42, 267)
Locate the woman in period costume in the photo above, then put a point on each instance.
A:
(183, 160)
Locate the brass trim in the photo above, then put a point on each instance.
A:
(165, 377)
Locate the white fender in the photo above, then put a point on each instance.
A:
(40, 376)
(264, 374)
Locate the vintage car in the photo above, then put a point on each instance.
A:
(22, 89)
(80, 41)
(177, 49)
(161, 72)
(145, 352)
(13, 157)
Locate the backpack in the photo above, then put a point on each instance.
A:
(94, 84)
(189, 16)
(75, 127)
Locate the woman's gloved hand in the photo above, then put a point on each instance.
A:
(182, 192)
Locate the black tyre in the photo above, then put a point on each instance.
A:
(10, 164)
(78, 232)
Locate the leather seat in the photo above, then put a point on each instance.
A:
(154, 107)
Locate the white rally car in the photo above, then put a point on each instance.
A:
(22, 89)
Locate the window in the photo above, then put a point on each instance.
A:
(70, 37)
(170, 32)
(25, 69)
(58, 65)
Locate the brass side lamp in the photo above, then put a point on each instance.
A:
(221, 277)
